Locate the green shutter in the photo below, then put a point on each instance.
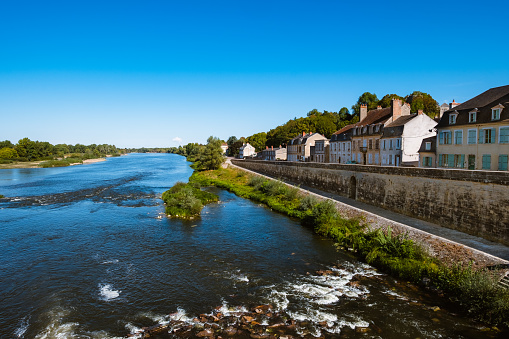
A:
(450, 160)
(481, 136)
(441, 138)
(462, 161)
(440, 160)
(493, 133)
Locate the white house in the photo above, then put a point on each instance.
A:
(246, 151)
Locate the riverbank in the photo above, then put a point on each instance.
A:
(476, 290)
(39, 164)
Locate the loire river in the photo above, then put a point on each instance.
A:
(88, 253)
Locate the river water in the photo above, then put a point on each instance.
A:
(88, 253)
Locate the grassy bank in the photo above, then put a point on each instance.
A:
(62, 163)
(186, 200)
(476, 292)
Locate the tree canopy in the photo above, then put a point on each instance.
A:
(211, 157)
(386, 101)
(420, 100)
(258, 141)
(367, 98)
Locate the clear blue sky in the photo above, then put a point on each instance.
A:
(150, 73)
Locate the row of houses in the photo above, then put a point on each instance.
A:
(472, 135)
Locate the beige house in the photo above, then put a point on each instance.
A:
(427, 152)
(246, 151)
(272, 154)
(366, 134)
(475, 134)
(299, 148)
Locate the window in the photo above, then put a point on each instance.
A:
(390, 159)
(486, 161)
(502, 162)
(458, 137)
(472, 136)
(370, 158)
(370, 145)
(452, 119)
(445, 138)
(487, 136)
(377, 144)
(427, 146)
(384, 145)
(495, 114)
(364, 143)
(376, 158)
(390, 147)
(472, 117)
(427, 161)
(504, 135)
(398, 143)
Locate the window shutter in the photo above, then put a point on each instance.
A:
(450, 160)
(481, 136)
(462, 161)
(440, 160)
(441, 139)
(449, 138)
(493, 132)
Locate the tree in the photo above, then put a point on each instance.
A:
(26, 149)
(6, 143)
(8, 153)
(420, 100)
(211, 157)
(325, 125)
(231, 140)
(386, 101)
(258, 141)
(366, 98)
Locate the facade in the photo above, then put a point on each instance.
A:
(445, 107)
(322, 150)
(475, 134)
(340, 146)
(427, 152)
(299, 148)
(367, 133)
(247, 151)
(402, 139)
(273, 154)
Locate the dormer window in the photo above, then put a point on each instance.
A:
(452, 118)
(472, 116)
(495, 112)
(427, 146)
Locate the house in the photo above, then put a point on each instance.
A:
(475, 134)
(299, 148)
(427, 152)
(224, 147)
(321, 151)
(341, 145)
(402, 139)
(246, 150)
(366, 134)
(273, 154)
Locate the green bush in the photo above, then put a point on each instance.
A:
(186, 200)
(256, 181)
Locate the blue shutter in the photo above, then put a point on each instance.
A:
(441, 138)
(450, 160)
(462, 161)
(493, 132)
(481, 136)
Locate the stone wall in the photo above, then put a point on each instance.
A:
(474, 202)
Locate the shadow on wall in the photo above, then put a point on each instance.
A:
(353, 188)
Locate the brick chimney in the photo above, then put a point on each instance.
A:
(364, 112)
(396, 109)
(266, 147)
(303, 134)
(378, 107)
(419, 112)
(272, 148)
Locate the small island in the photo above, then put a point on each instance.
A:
(186, 200)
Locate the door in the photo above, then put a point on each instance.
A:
(471, 162)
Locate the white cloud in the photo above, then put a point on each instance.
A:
(177, 140)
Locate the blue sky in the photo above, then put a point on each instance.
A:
(156, 73)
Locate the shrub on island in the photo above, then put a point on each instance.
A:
(186, 200)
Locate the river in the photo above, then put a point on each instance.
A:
(88, 253)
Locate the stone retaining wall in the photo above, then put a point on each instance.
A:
(474, 202)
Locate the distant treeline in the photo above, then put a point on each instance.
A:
(28, 150)
(150, 150)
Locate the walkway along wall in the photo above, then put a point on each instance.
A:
(474, 202)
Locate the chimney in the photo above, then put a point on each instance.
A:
(303, 134)
(271, 148)
(419, 112)
(266, 147)
(364, 112)
(396, 109)
(378, 107)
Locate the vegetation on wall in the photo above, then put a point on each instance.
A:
(476, 291)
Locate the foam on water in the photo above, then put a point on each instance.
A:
(23, 327)
(56, 327)
(107, 293)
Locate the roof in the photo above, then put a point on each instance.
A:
(401, 120)
(376, 116)
(486, 98)
(343, 134)
(483, 103)
(396, 127)
(433, 141)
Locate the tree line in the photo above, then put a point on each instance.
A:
(29, 150)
